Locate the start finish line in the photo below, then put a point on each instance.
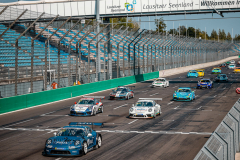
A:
(120, 8)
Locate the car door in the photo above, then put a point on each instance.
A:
(90, 137)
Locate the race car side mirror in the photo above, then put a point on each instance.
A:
(75, 102)
(96, 103)
(89, 135)
(55, 133)
(175, 91)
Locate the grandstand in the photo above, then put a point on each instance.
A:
(122, 52)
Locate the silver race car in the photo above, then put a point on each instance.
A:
(145, 108)
(87, 106)
(160, 82)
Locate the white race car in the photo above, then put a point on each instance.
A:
(160, 82)
(232, 62)
(145, 108)
(87, 106)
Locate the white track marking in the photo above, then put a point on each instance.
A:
(215, 96)
(110, 131)
(169, 103)
(133, 121)
(176, 107)
(200, 107)
(120, 106)
(145, 91)
(19, 123)
(168, 120)
(55, 115)
(58, 158)
(154, 94)
(48, 113)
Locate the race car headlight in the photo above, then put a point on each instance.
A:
(72, 108)
(189, 94)
(77, 143)
(49, 141)
(150, 110)
(174, 94)
(131, 109)
(49, 146)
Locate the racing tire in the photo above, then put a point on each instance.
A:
(84, 148)
(98, 143)
(101, 110)
(165, 86)
(94, 112)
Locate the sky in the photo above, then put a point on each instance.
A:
(203, 20)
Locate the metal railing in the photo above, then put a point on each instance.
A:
(224, 141)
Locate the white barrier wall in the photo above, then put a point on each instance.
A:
(174, 71)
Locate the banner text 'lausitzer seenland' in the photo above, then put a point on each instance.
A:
(115, 7)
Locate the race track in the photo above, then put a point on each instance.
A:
(177, 134)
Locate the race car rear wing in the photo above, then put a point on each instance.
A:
(127, 86)
(85, 124)
(98, 97)
(157, 99)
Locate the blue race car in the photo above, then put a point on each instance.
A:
(73, 140)
(184, 94)
(122, 92)
(192, 73)
(221, 77)
(87, 106)
(216, 71)
(205, 83)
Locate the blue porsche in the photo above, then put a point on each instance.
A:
(205, 83)
(184, 94)
(192, 73)
(73, 140)
(221, 77)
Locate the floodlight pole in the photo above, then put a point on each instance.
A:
(45, 73)
(16, 51)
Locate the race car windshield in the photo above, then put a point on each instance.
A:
(192, 71)
(120, 89)
(160, 80)
(86, 102)
(183, 90)
(144, 104)
(221, 76)
(71, 132)
(205, 80)
(232, 65)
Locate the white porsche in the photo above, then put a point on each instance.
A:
(145, 108)
(160, 82)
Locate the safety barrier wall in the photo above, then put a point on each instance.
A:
(224, 141)
(33, 99)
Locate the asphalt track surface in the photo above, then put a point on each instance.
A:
(178, 133)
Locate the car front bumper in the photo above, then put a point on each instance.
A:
(181, 98)
(158, 85)
(67, 152)
(140, 115)
(78, 113)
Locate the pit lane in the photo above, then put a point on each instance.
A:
(179, 133)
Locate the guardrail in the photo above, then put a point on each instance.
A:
(224, 141)
(29, 100)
